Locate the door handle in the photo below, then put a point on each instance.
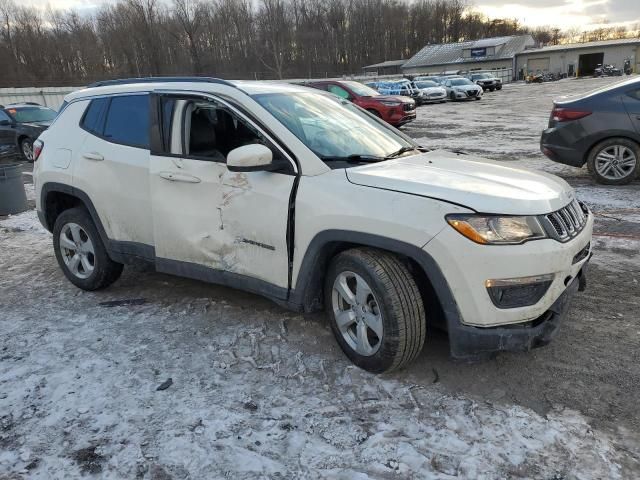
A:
(93, 156)
(179, 177)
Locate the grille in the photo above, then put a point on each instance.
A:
(471, 93)
(566, 223)
(409, 106)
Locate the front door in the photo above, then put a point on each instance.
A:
(210, 223)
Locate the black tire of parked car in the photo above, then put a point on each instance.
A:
(452, 96)
(499, 87)
(400, 304)
(492, 89)
(606, 144)
(106, 271)
(26, 149)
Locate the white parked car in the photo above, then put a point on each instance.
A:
(431, 91)
(303, 197)
(462, 89)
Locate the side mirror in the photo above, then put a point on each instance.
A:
(5, 123)
(250, 158)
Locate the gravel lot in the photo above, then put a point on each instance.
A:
(259, 392)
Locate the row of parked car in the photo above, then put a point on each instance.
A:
(395, 101)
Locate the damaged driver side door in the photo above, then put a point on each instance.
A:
(210, 223)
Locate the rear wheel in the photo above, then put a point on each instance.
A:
(80, 252)
(26, 148)
(375, 309)
(615, 161)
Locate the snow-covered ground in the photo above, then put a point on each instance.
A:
(259, 392)
(254, 394)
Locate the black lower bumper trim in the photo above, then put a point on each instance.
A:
(474, 343)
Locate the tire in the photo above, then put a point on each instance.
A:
(392, 303)
(94, 270)
(498, 88)
(26, 149)
(622, 168)
(492, 89)
(452, 96)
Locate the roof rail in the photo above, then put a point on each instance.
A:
(125, 81)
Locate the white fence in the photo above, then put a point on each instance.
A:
(47, 96)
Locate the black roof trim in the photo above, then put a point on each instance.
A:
(126, 81)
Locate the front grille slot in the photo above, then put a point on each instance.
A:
(566, 223)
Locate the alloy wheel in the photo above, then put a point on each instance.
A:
(357, 313)
(615, 162)
(77, 250)
(27, 150)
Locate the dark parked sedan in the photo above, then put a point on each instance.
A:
(601, 129)
(20, 125)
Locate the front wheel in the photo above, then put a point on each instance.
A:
(615, 161)
(452, 96)
(26, 148)
(80, 252)
(375, 309)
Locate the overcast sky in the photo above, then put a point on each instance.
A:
(561, 13)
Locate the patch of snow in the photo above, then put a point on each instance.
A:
(25, 221)
(256, 392)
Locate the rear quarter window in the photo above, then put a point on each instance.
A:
(93, 119)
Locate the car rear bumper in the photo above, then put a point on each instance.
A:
(554, 146)
(473, 343)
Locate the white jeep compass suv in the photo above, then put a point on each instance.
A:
(305, 198)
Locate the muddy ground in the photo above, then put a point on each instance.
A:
(259, 392)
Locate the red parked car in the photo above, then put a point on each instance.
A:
(393, 109)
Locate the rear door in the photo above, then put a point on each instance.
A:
(210, 223)
(8, 141)
(632, 104)
(112, 168)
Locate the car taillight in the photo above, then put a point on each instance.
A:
(38, 145)
(566, 114)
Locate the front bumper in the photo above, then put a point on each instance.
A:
(473, 343)
(466, 266)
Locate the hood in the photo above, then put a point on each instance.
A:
(464, 88)
(429, 90)
(392, 98)
(473, 182)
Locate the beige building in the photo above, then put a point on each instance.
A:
(578, 59)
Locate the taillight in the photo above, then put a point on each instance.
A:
(566, 114)
(38, 145)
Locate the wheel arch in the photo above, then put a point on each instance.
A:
(436, 293)
(55, 198)
(608, 136)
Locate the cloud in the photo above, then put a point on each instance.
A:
(567, 14)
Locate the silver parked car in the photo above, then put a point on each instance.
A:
(462, 89)
(431, 91)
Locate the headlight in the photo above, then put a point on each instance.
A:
(497, 230)
(390, 104)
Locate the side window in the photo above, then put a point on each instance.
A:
(128, 120)
(341, 92)
(4, 116)
(205, 129)
(93, 119)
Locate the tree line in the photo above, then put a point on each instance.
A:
(256, 39)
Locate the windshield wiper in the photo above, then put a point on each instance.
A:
(353, 158)
(404, 150)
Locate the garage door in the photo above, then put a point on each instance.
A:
(538, 64)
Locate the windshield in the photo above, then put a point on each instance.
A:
(333, 129)
(426, 84)
(362, 90)
(31, 114)
(461, 81)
